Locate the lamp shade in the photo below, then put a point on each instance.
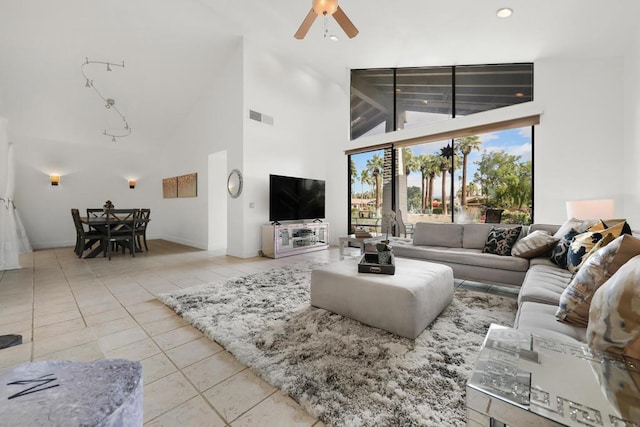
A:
(591, 209)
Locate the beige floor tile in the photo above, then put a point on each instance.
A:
(212, 370)
(165, 394)
(193, 413)
(13, 328)
(87, 352)
(107, 316)
(46, 309)
(156, 367)
(277, 410)
(122, 338)
(164, 325)
(91, 309)
(192, 352)
(15, 355)
(58, 328)
(154, 314)
(135, 351)
(236, 395)
(144, 306)
(171, 339)
(23, 316)
(61, 342)
(118, 325)
(55, 318)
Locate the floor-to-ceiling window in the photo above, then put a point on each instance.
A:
(467, 178)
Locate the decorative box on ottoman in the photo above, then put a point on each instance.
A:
(105, 393)
(404, 304)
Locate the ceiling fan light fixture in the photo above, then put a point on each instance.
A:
(322, 7)
(504, 12)
(334, 38)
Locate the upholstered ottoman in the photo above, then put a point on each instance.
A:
(404, 304)
(104, 393)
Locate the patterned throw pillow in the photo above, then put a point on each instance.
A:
(599, 267)
(500, 240)
(585, 244)
(614, 317)
(536, 243)
(559, 253)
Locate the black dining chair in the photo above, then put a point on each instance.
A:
(95, 212)
(120, 231)
(141, 227)
(84, 239)
(493, 216)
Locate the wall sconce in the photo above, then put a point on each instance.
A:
(132, 183)
(55, 179)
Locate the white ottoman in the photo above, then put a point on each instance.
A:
(404, 303)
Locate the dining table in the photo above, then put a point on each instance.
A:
(100, 223)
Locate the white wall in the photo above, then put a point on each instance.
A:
(631, 153)
(311, 118)
(580, 141)
(213, 124)
(91, 173)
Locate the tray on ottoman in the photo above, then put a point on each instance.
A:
(369, 264)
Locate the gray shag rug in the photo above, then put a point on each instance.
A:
(338, 369)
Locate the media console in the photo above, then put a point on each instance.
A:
(292, 239)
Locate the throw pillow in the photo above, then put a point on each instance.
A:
(559, 253)
(626, 228)
(585, 244)
(614, 317)
(576, 298)
(500, 240)
(573, 224)
(536, 243)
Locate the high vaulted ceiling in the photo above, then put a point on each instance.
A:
(173, 48)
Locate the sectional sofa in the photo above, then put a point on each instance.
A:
(541, 282)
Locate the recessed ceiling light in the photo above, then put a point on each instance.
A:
(519, 95)
(334, 38)
(425, 101)
(398, 89)
(505, 12)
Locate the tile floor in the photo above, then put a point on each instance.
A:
(85, 310)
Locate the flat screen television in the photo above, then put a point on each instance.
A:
(295, 198)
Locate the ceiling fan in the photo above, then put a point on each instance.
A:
(326, 8)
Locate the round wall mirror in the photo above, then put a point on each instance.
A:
(234, 183)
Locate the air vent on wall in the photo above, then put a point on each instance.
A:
(259, 117)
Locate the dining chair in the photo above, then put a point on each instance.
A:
(403, 228)
(95, 212)
(141, 227)
(493, 216)
(120, 231)
(84, 239)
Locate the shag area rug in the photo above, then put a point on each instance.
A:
(338, 369)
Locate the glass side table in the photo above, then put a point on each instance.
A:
(528, 380)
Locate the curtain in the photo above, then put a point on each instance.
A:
(13, 238)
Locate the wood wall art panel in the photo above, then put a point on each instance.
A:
(188, 185)
(170, 187)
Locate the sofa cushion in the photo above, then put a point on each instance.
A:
(472, 257)
(550, 228)
(614, 316)
(501, 239)
(539, 319)
(576, 299)
(437, 234)
(544, 283)
(573, 224)
(585, 244)
(535, 244)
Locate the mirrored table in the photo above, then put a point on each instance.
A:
(522, 379)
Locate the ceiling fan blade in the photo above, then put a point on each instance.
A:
(306, 24)
(345, 23)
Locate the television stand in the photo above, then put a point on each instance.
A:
(280, 240)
